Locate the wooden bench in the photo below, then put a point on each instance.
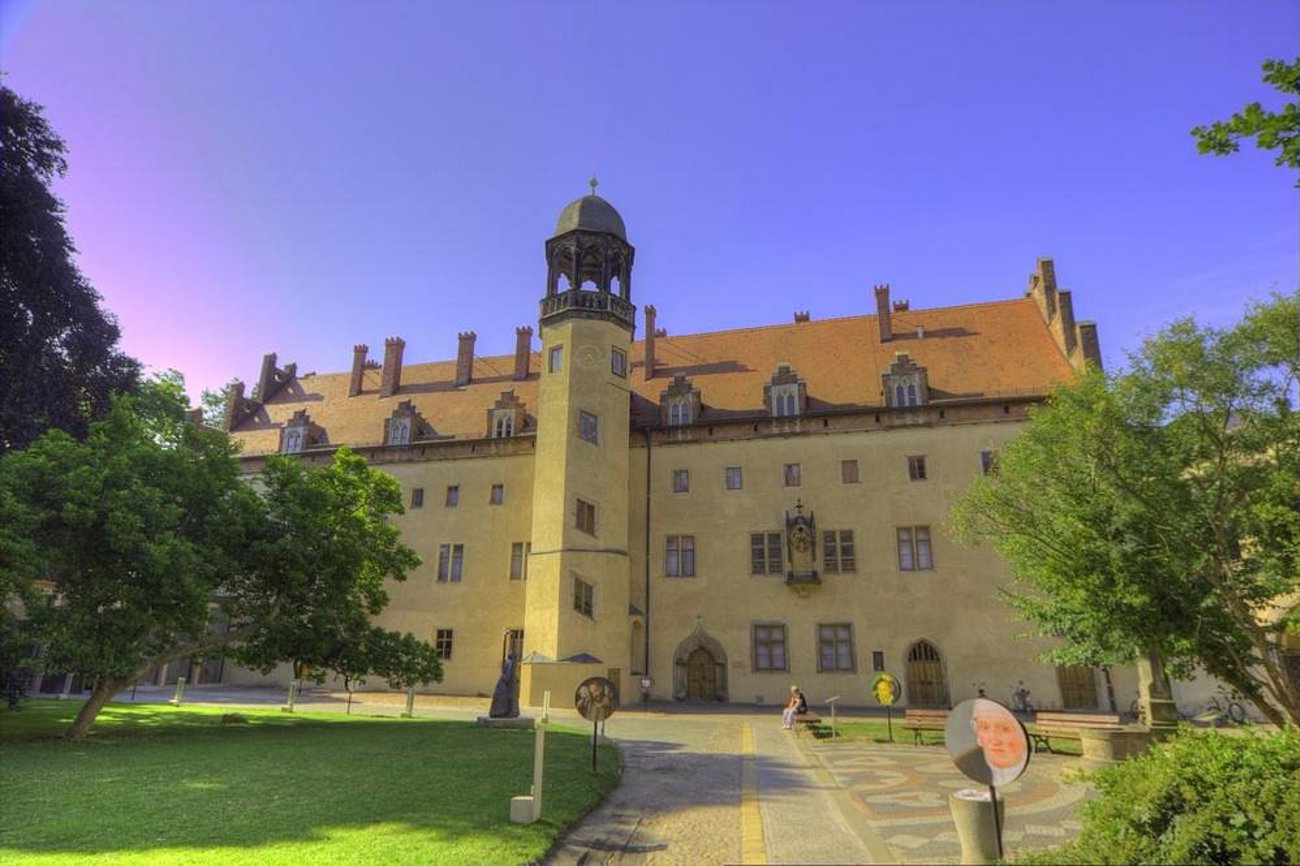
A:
(918, 721)
(809, 719)
(1066, 726)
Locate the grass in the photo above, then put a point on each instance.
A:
(157, 784)
(877, 730)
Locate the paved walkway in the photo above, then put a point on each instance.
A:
(730, 786)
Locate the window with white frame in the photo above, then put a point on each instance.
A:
(732, 478)
(914, 552)
(584, 597)
(442, 643)
(839, 555)
(769, 648)
(793, 475)
(681, 481)
(765, 553)
(588, 426)
(835, 647)
(519, 559)
(679, 556)
(451, 560)
(916, 467)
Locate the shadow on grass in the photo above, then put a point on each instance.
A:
(155, 778)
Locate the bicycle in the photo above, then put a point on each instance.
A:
(1020, 700)
(1221, 710)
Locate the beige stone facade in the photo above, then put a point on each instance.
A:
(726, 513)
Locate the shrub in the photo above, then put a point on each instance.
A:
(1200, 797)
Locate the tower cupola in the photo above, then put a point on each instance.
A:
(589, 263)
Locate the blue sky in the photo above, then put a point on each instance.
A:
(302, 176)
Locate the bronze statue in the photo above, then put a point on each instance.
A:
(505, 703)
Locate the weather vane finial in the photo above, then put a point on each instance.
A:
(593, 183)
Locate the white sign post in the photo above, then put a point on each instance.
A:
(526, 810)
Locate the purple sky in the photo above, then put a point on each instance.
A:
(301, 176)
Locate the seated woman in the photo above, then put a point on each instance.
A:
(797, 705)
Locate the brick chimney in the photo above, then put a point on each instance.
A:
(523, 350)
(1091, 345)
(391, 379)
(650, 341)
(465, 357)
(358, 368)
(883, 314)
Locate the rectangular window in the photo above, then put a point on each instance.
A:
(765, 553)
(877, 660)
(451, 558)
(679, 556)
(453, 495)
(793, 475)
(617, 362)
(442, 643)
(588, 426)
(835, 647)
(732, 478)
(585, 519)
(989, 462)
(916, 468)
(498, 494)
(914, 548)
(584, 597)
(519, 559)
(838, 552)
(417, 497)
(769, 648)
(681, 480)
(848, 472)
(555, 359)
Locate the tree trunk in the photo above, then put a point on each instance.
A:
(90, 709)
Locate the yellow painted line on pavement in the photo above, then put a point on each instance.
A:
(753, 852)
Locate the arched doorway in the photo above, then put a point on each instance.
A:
(925, 682)
(700, 668)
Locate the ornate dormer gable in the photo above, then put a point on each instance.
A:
(801, 546)
(679, 403)
(507, 417)
(407, 425)
(300, 433)
(786, 395)
(906, 383)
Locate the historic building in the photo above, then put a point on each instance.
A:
(724, 513)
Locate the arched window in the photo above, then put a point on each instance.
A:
(399, 431)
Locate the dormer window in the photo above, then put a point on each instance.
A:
(786, 395)
(407, 425)
(506, 417)
(905, 383)
(680, 402)
(300, 433)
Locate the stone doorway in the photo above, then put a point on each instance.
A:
(700, 668)
(1078, 684)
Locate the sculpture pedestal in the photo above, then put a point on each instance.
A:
(1103, 746)
(972, 812)
(525, 722)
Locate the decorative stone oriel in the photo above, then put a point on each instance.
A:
(801, 547)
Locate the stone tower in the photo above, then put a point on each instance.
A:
(578, 575)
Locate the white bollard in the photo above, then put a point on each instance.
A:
(180, 690)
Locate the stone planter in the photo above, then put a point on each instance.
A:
(1103, 746)
(972, 812)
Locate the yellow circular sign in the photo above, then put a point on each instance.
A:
(886, 689)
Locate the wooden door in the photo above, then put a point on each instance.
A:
(925, 685)
(701, 676)
(1078, 687)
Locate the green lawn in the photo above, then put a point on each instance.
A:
(878, 731)
(156, 784)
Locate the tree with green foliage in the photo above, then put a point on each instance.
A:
(1272, 130)
(58, 361)
(155, 550)
(1158, 509)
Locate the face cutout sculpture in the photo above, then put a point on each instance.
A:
(987, 742)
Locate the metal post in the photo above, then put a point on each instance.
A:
(997, 822)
